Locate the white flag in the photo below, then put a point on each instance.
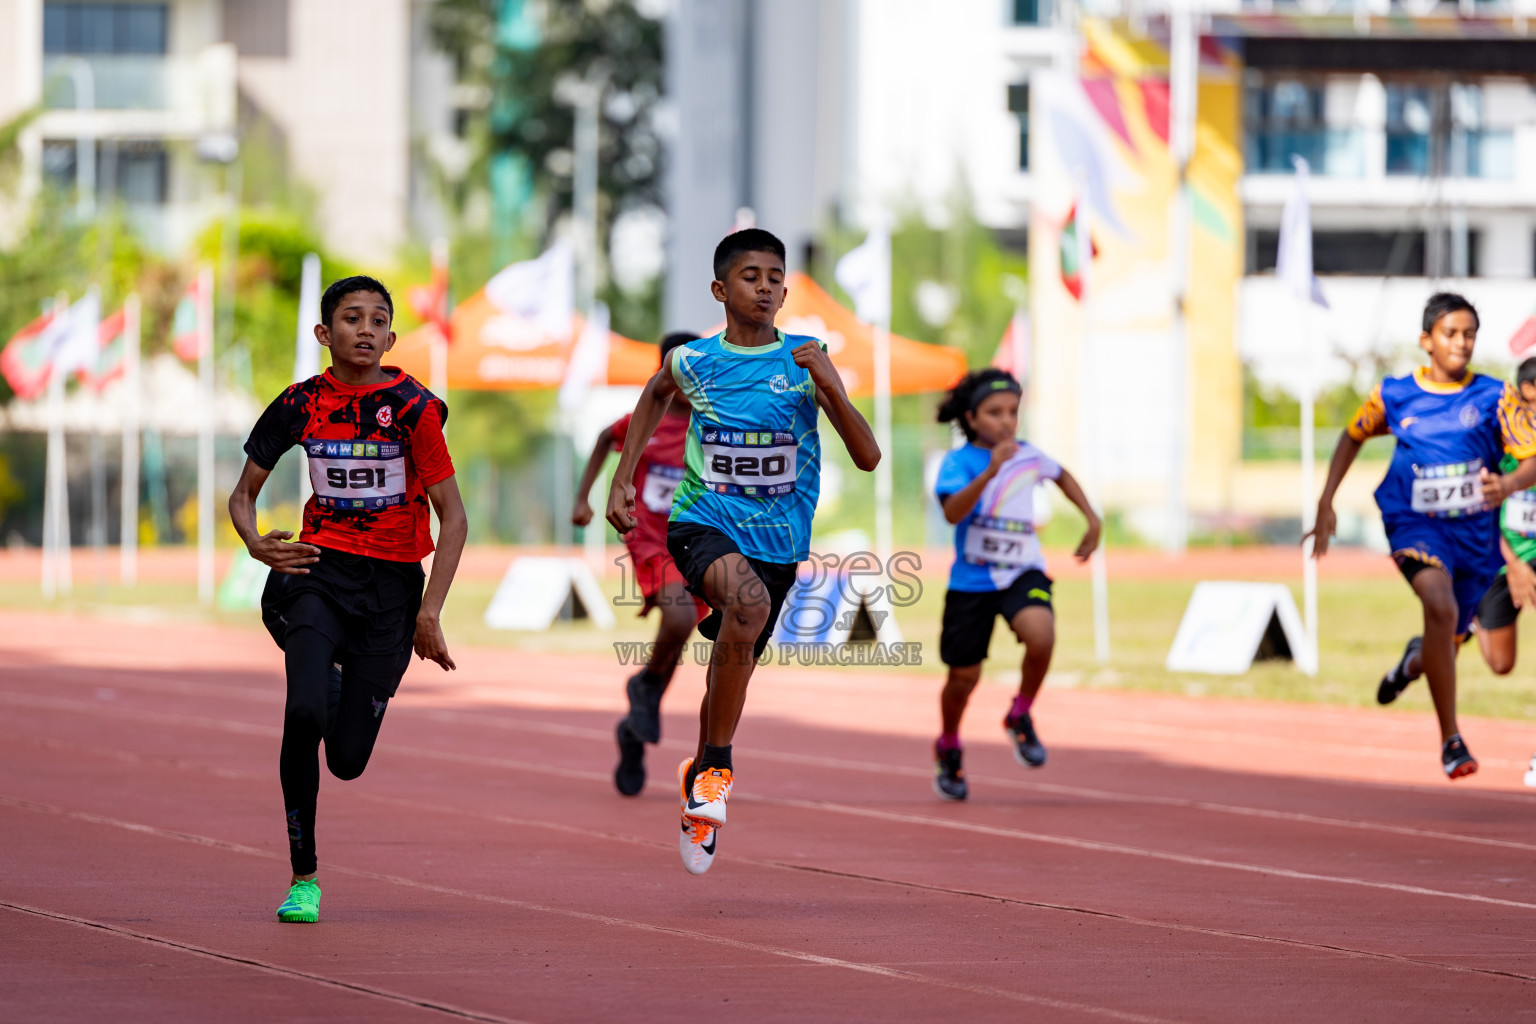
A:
(543, 289)
(78, 345)
(589, 360)
(1294, 262)
(865, 274)
(306, 350)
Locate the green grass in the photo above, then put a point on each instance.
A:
(1365, 623)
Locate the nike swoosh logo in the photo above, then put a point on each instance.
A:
(710, 849)
(692, 803)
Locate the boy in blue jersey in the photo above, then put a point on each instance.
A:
(987, 490)
(741, 518)
(1439, 500)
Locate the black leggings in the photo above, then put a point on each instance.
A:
(344, 709)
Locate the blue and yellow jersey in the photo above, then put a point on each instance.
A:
(752, 467)
(1446, 435)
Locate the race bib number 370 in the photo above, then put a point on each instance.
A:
(357, 476)
(752, 463)
(1451, 490)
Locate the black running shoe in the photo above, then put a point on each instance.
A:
(1027, 748)
(1397, 680)
(948, 776)
(629, 776)
(1456, 759)
(644, 707)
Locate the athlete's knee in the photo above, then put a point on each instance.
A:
(1440, 609)
(962, 679)
(304, 717)
(677, 621)
(345, 764)
(1500, 663)
(748, 609)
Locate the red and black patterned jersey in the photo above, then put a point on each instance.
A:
(373, 451)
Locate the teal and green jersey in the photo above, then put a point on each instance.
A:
(1518, 517)
(752, 467)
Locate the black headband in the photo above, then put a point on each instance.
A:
(991, 387)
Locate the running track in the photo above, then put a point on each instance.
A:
(1178, 860)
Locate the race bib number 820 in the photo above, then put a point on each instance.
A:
(752, 463)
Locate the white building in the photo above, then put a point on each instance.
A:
(160, 89)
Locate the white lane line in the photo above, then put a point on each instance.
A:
(912, 819)
(811, 760)
(260, 965)
(604, 919)
(633, 840)
(1129, 851)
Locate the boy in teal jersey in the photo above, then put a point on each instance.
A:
(741, 518)
(1439, 497)
(1515, 587)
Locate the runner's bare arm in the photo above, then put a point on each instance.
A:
(271, 548)
(452, 530)
(647, 416)
(1326, 522)
(958, 505)
(1074, 492)
(833, 399)
(1497, 487)
(581, 509)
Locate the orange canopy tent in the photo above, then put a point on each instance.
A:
(916, 366)
(494, 351)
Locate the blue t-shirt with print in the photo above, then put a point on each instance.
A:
(996, 543)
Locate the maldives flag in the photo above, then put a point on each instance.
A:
(1077, 252)
(111, 357)
(186, 336)
(28, 357)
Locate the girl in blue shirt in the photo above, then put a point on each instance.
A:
(986, 488)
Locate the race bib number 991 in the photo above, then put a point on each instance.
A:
(751, 463)
(1451, 490)
(356, 475)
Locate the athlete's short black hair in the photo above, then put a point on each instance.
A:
(346, 286)
(1526, 373)
(968, 393)
(676, 338)
(745, 240)
(1442, 303)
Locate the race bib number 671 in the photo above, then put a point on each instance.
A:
(356, 475)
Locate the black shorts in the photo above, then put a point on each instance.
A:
(695, 547)
(1497, 610)
(969, 615)
(369, 611)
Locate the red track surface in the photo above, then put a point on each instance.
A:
(1178, 860)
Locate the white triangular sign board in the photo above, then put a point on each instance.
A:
(242, 587)
(834, 608)
(535, 588)
(1227, 625)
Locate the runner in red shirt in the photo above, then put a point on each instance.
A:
(349, 592)
(657, 475)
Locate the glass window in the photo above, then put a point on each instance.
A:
(87, 28)
(1410, 127)
(132, 171)
(1018, 105)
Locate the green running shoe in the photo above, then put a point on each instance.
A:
(303, 902)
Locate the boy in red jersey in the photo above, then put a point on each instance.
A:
(349, 593)
(660, 469)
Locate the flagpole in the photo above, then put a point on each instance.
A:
(884, 540)
(205, 436)
(306, 349)
(1088, 424)
(128, 543)
(1308, 493)
(57, 576)
(437, 374)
